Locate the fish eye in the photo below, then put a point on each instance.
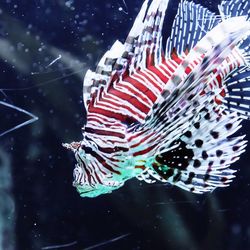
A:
(89, 149)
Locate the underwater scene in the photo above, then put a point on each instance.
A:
(124, 125)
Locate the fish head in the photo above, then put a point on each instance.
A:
(91, 178)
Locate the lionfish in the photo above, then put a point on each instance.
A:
(168, 112)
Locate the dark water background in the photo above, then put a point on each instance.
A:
(39, 208)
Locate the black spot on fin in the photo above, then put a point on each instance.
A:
(177, 158)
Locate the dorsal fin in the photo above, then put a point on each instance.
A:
(191, 23)
(238, 92)
(103, 73)
(149, 42)
(233, 8)
(143, 42)
(114, 61)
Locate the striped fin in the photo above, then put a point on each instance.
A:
(219, 76)
(103, 73)
(212, 51)
(114, 61)
(191, 23)
(201, 159)
(234, 73)
(131, 41)
(149, 41)
(181, 87)
(232, 8)
(238, 92)
(136, 28)
(143, 40)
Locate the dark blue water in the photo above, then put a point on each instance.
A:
(45, 49)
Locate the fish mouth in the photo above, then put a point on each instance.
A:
(72, 146)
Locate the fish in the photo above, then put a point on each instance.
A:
(167, 111)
